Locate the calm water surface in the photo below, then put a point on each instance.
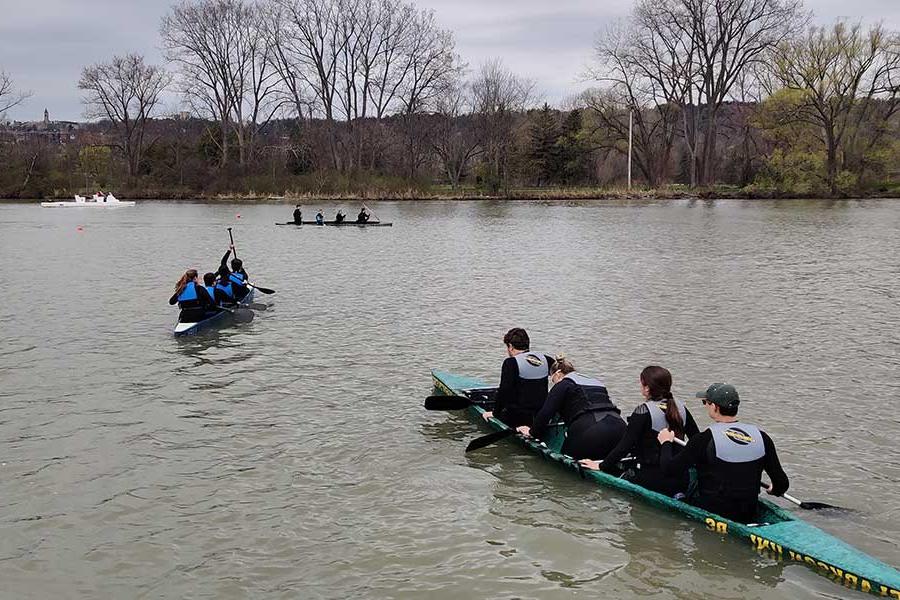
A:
(291, 458)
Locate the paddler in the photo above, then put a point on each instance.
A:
(237, 275)
(192, 298)
(363, 216)
(339, 217)
(298, 215)
(593, 424)
(730, 458)
(659, 411)
(320, 218)
(209, 284)
(523, 381)
(224, 287)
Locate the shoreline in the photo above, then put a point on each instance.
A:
(522, 194)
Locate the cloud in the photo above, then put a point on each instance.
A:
(44, 44)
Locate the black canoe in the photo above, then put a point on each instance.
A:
(343, 224)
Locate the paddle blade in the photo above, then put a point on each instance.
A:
(822, 506)
(257, 306)
(447, 403)
(489, 439)
(263, 290)
(243, 315)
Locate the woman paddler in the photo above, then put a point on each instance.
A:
(192, 298)
(660, 411)
(594, 426)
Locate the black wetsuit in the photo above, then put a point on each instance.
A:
(298, 216)
(519, 398)
(193, 311)
(339, 218)
(240, 290)
(726, 488)
(593, 423)
(640, 442)
(362, 217)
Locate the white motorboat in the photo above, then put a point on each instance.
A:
(97, 200)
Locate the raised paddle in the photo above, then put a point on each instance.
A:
(788, 497)
(247, 283)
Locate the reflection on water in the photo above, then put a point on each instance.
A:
(291, 455)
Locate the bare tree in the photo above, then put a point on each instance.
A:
(844, 74)
(695, 51)
(225, 67)
(125, 91)
(455, 140)
(499, 95)
(643, 80)
(9, 97)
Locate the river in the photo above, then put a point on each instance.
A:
(291, 458)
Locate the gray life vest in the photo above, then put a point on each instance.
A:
(657, 411)
(532, 365)
(585, 381)
(737, 442)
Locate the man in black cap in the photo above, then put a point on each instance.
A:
(730, 457)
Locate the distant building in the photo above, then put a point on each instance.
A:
(54, 132)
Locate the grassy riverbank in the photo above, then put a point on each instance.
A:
(393, 192)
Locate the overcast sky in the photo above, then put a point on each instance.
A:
(45, 43)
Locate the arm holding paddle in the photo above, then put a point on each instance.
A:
(509, 373)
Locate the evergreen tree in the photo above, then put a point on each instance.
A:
(543, 153)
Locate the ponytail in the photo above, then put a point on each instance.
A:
(659, 381)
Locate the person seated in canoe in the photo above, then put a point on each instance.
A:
(339, 217)
(209, 284)
(730, 458)
(237, 275)
(593, 424)
(224, 288)
(320, 218)
(660, 411)
(363, 216)
(523, 381)
(298, 215)
(192, 298)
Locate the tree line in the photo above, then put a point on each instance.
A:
(371, 97)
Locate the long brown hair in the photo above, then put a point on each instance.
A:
(189, 275)
(659, 380)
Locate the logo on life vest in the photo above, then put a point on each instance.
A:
(533, 360)
(738, 436)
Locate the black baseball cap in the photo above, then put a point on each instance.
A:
(721, 394)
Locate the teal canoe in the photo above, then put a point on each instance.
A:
(779, 534)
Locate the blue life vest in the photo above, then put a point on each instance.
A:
(226, 288)
(188, 293)
(211, 290)
(237, 278)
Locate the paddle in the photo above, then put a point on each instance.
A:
(487, 440)
(247, 283)
(788, 497)
(447, 403)
(241, 315)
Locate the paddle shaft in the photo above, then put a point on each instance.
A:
(786, 496)
(231, 237)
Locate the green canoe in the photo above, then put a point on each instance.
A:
(780, 534)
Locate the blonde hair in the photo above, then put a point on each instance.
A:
(562, 364)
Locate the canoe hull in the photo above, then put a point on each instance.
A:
(87, 204)
(781, 535)
(342, 224)
(220, 318)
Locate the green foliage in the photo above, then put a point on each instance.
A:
(95, 162)
(799, 173)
